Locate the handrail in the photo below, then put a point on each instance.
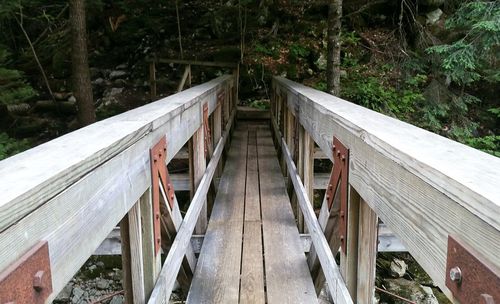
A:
(423, 186)
(73, 190)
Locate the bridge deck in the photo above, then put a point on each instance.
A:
(252, 251)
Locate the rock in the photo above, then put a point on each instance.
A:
(99, 81)
(430, 298)
(65, 293)
(117, 74)
(77, 295)
(343, 73)
(433, 16)
(102, 284)
(114, 92)
(120, 83)
(61, 95)
(117, 300)
(100, 264)
(321, 62)
(72, 99)
(398, 268)
(92, 267)
(122, 66)
(95, 72)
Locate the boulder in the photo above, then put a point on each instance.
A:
(117, 74)
(398, 268)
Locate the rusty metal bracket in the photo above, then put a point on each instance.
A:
(469, 276)
(159, 174)
(339, 180)
(206, 129)
(28, 280)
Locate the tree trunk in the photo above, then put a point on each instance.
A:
(333, 55)
(82, 87)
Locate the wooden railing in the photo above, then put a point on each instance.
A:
(429, 190)
(70, 193)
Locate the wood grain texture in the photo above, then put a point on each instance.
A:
(367, 254)
(423, 186)
(336, 284)
(287, 275)
(76, 201)
(217, 275)
(136, 256)
(50, 168)
(252, 265)
(199, 166)
(163, 287)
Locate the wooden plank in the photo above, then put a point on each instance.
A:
(199, 166)
(56, 165)
(181, 181)
(423, 186)
(367, 253)
(126, 268)
(349, 259)
(200, 63)
(76, 201)
(136, 257)
(252, 267)
(321, 180)
(283, 253)
(182, 154)
(319, 154)
(248, 113)
(336, 284)
(163, 287)
(183, 79)
(217, 275)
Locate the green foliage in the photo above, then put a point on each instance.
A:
(471, 57)
(350, 38)
(13, 87)
(489, 144)
(260, 104)
(268, 51)
(10, 146)
(321, 85)
(370, 92)
(298, 51)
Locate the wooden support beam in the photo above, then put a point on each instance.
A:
(136, 256)
(199, 167)
(199, 63)
(166, 280)
(152, 80)
(184, 78)
(217, 133)
(126, 269)
(334, 278)
(349, 259)
(367, 253)
(308, 163)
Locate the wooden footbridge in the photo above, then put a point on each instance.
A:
(250, 233)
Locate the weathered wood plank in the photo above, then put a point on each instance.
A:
(199, 166)
(48, 169)
(336, 284)
(76, 201)
(168, 274)
(283, 253)
(252, 266)
(423, 186)
(136, 256)
(367, 253)
(200, 63)
(217, 275)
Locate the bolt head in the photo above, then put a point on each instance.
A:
(37, 280)
(456, 274)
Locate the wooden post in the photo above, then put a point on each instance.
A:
(126, 269)
(136, 258)
(217, 127)
(152, 262)
(367, 253)
(184, 78)
(152, 80)
(300, 170)
(308, 164)
(349, 260)
(199, 165)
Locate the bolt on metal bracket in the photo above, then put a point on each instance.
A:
(29, 279)
(469, 276)
(339, 180)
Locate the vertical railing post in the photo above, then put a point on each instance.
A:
(349, 259)
(308, 165)
(367, 253)
(197, 154)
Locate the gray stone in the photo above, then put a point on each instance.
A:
(102, 284)
(65, 293)
(122, 66)
(117, 74)
(92, 267)
(321, 62)
(99, 81)
(433, 16)
(343, 73)
(72, 99)
(117, 300)
(398, 268)
(77, 295)
(100, 264)
(430, 298)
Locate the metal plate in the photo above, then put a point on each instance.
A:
(339, 180)
(479, 280)
(28, 280)
(159, 174)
